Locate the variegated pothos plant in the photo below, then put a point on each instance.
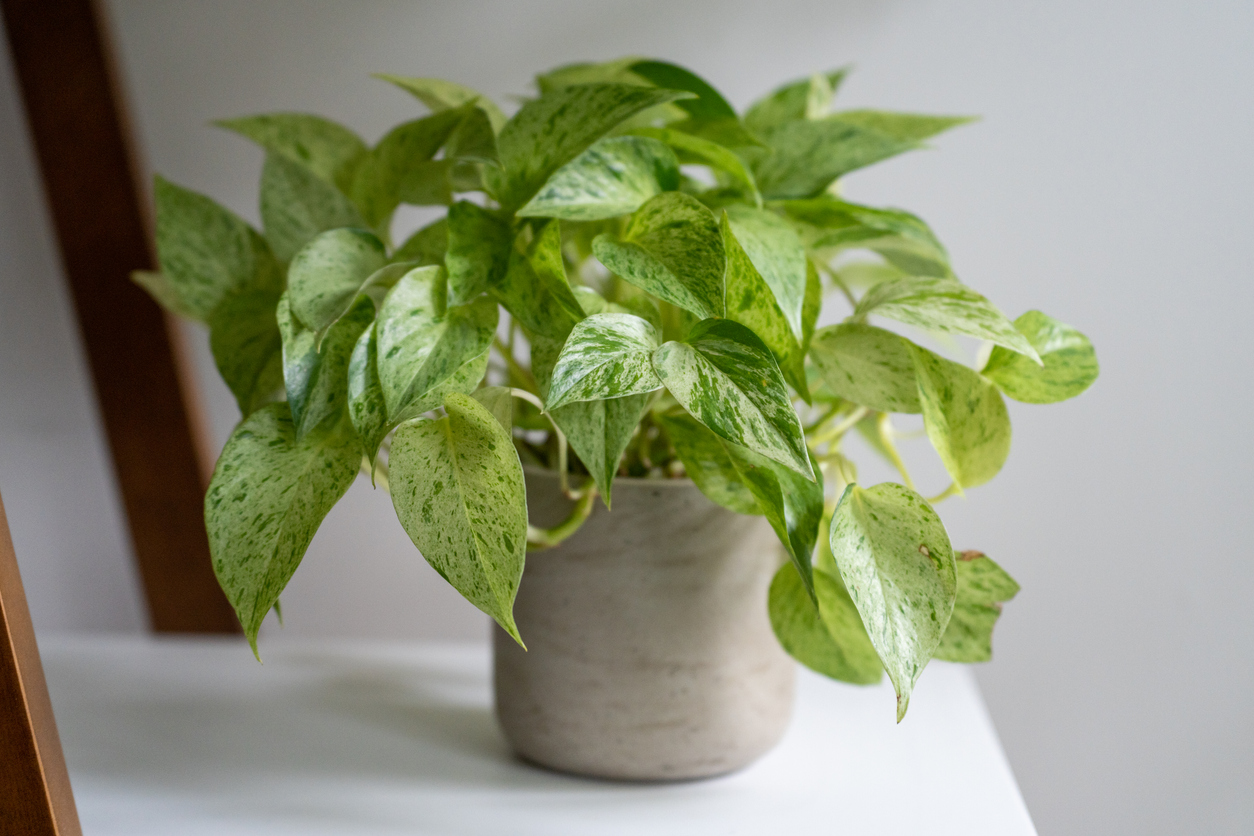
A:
(660, 261)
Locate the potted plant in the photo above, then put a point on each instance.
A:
(624, 307)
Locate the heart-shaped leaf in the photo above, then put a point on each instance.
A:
(982, 587)
(867, 365)
(710, 115)
(613, 177)
(776, 253)
(328, 149)
(316, 376)
(708, 464)
(297, 204)
(479, 242)
(828, 638)
(1070, 363)
(699, 151)
(438, 94)
(727, 379)
(944, 305)
(328, 273)
(808, 98)
(607, 355)
(895, 559)
(535, 289)
(247, 346)
(366, 407)
(805, 157)
(672, 248)
(457, 486)
(269, 493)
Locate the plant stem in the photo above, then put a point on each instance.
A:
(840, 285)
(945, 494)
(841, 428)
(516, 371)
(885, 427)
(561, 443)
(540, 538)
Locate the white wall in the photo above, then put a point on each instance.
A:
(1109, 184)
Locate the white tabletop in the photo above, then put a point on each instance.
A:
(192, 737)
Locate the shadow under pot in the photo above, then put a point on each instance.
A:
(650, 652)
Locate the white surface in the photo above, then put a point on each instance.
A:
(1110, 183)
(194, 738)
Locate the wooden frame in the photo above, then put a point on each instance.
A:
(80, 136)
(35, 796)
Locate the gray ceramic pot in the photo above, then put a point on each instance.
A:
(650, 654)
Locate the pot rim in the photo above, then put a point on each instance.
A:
(549, 473)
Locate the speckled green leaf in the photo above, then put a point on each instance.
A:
(982, 587)
(709, 114)
(944, 305)
(708, 463)
(438, 94)
(613, 177)
(328, 273)
(426, 348)
(366, 407)
(607, 355)
(598, 431)
(479, 242)
(903, 239)
(426, 246)
(829, 638)
(752, 303)
(807, 98)
(695, 150)
(778, 255)
(316, 376)
(806, 157)
(499, 401)
(247, 346)
(206, 253)
(328, 149)
(547, 133)
(811, 307)
(792, 504)
(907, 127)
(457, 487)
(269, 493)
(728, 380)
(297, 204)
(534, 288)
(1070, 362)
(867, 365)
(615, 71)
(896, 561)
(965, 418)
(673, 249)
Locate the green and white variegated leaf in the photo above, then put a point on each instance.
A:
(473, 140)
(163, 292)
(728, 380)
(708, 464)
(206, 253)
(709, 114)
(944, 305)
(808, 156)
(297, 204)
(752, 303)
(867, 365)
(673, 249)
(607, 355)
(982, 587)
(829, 638)
(906, 127)
(247, 346)
(1070, 363)
(401, 169)
(328, 273)
(457, 487)
(498, 400)
(811, 306)
(547, 133)
(479, 242)
(426, 246)
(598, 431)
(328, 149)
(895, 559)
(438, 94)
(613, 177)
(792, 504)
(777, 253)
(808, 98)
(534, 288)
(903, 239)
(366, 407)
(270, 491)
(965, 418)
(427, 348)
(316, 376)
(699, 151)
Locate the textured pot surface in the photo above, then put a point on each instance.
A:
(650, 652)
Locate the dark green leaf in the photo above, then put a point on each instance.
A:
(606, 356)
(366, 407)
(778, 255)
(708, 464)
(672, 248)
(965, 418)
(247, 347)
(1070, 362)
(694, 149)
(479, 242)
(728, 380)
(269, 493)
(296, 205)
(710, 115)
(328, 273)
(896, 561)
(535, 289)
(316, 377)
(328, 149)
(613, 177)
(829, 638)
(868, 366)
(982, 586)
(457, 487)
